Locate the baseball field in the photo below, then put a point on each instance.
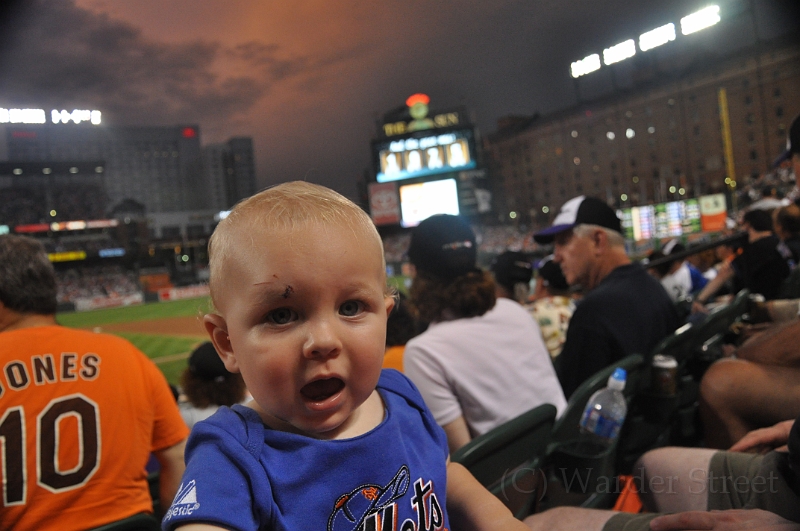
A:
(165, 331)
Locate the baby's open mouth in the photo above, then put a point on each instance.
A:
(319, 390)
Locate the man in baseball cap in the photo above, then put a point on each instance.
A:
(625, 310)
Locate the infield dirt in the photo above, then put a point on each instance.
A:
(173, 326)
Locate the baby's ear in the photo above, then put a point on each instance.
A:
(389, 301)
(217, 330)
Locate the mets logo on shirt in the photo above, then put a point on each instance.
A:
(373, 507)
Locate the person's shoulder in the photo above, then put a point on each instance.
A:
(237, 424)
(399, 384)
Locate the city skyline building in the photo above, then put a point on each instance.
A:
(164, 168)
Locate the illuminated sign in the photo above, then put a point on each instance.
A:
(67, 225)
(110, 253)
(420, 156)
(4, 229)
(68, 256)
(418, 109)
(38, 116)
(587, 65)
(440, 120)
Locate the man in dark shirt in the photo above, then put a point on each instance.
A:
(759, 267)
(625, 310)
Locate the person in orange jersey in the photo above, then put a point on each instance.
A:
(80, 412)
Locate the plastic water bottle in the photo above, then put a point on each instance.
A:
(604, 414)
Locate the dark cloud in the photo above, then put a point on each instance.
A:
(65, 56)
(309, 92)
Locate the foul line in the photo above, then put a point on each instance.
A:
(173, 357)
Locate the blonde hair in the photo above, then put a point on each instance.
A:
(286, 207)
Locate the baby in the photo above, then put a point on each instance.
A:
(298, 281)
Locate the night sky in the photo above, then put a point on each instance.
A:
(307, 79)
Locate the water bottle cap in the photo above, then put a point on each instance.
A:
(617, 380)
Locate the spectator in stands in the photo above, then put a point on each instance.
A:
(553, 304)
(482, 361)
(624, 310)
(512, 272)
(759, 268)
(770, 199)
(59, 381)
(400, 328)
(679, 278)
(786, 223)
(733, 490)
(207, 385)
(755, 388)
(704, 262)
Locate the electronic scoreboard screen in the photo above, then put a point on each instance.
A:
(424, 153)
(419, 201)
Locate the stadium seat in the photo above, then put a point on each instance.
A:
(566, 456)
(506, 460)
(137, 522)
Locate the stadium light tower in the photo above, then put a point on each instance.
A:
(619, 52)
(700, 20)
(657, 37)
(587, 65)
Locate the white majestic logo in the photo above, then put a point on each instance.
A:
(185, 501)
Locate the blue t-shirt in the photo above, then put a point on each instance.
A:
(242, 475)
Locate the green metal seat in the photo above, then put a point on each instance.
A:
(566, 457)
(506, 460)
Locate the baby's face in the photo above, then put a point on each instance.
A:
(306, 314)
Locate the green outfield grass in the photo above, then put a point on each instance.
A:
(169, 352)
(153, 310)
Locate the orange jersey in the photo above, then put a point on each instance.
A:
(79, 415)
(393, 358)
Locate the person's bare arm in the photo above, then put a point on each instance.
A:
(729, 520)
(471, 506)
(776, 345)
(725, 273)
(457, 434)
(765, 439)
(172, 467)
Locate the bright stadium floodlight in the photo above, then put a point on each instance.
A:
(657, 37)
(619, 52)
(702, 19)
(587, 65)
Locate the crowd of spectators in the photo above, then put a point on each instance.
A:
(101, 281)
(492, 240)
(23, 205)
